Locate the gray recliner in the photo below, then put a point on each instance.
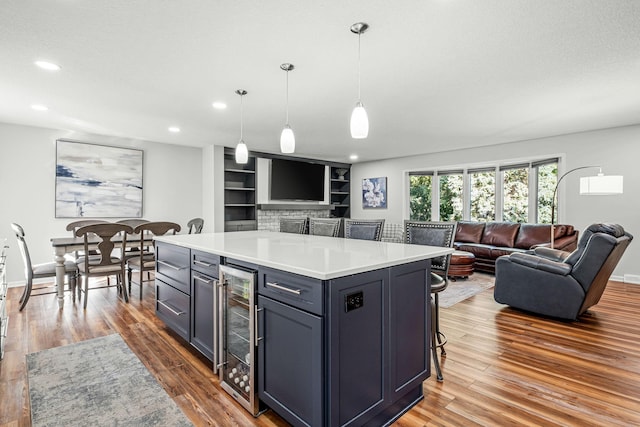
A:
(561, 284)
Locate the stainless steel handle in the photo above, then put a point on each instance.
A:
(168, 264)
(168, 307)
(202, 279)
(255, 319)
(284, 288)
(202, 263)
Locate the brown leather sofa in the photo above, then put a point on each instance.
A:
(490, 240)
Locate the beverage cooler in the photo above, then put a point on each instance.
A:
(237, 335)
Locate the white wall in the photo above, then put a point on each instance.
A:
(616, 150)
(172, 186)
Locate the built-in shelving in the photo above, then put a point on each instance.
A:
(239, 194)
(340, 192)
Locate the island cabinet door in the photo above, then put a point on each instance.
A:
(409, 324)
(290, 361)
(203, 325)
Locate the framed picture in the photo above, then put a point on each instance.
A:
(97, 181)
(374, 192)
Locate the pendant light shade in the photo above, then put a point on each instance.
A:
(287, 138)
(359, 118)
(242, 153)
(359, 122)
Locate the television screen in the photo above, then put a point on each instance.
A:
(296, 180)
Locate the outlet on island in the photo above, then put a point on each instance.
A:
(353, 301)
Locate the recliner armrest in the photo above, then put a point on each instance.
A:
(540, 263)
(552, 254)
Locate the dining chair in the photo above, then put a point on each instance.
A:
(147, 261)
(40, 271)
(73, 226)
(106, 263)
(195, 225)
(294, 225)
(434, 234)
(325, 226)
(363, 229)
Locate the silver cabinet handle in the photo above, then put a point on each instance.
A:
(258, 339)
(167, 264)
(168, 307)
(202, 263)
(284, 288)
(202, 279)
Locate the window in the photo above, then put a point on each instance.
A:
(482, 194)
(515, 193)
(547, 178)
(520, 192)
(451, 196)
(420, 189)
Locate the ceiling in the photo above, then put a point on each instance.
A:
(436, 74)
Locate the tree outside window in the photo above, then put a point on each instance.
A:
(482, 192)
(451, 197)
(547, 179)
(515, 200)
(420, 189)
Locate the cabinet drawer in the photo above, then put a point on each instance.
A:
(205, 263)
(172, 262)
(172, 306)
(299, 291)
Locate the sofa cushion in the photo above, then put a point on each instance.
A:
(470, 232)
(498, 252)
(478, 249)
(500, 234)
(534, 234)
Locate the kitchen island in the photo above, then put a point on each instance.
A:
(342, 325)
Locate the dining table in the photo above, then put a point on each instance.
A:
(67, 245)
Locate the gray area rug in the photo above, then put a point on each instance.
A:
(462, 289)
(98, 382)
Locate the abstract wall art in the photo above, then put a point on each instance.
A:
(97, 181)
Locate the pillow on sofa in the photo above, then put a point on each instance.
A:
(535, 234)
(469, 232)
(502, 234)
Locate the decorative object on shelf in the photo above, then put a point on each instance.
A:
(242, 154)
(598, 185)
(341, 173)
(97, 181)
(374, 192)
(287, 139)
(359, 119)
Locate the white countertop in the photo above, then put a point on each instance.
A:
(314, 256)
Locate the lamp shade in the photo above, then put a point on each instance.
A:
(601, 185)
(242, 154)
(287, 140)
(359, 122)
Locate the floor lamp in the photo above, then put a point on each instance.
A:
(598, 185)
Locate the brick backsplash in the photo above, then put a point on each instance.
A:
(270, 219)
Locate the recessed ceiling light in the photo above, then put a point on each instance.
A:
(174, 129)
(45, 65)
(39, 107)
(353, 157)
(219, 105)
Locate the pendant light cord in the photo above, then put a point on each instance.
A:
(359, 33)
(241, 118)
(287, 97)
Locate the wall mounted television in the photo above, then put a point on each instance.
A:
(297, 180)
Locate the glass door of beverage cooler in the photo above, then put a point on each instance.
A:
(237, 336)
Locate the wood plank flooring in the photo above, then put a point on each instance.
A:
(502, 368)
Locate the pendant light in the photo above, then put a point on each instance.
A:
(359, 118)
(242, 154)
(287, 139)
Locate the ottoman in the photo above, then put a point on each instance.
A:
(461, 264)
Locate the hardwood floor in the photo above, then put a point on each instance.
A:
(502, 367)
